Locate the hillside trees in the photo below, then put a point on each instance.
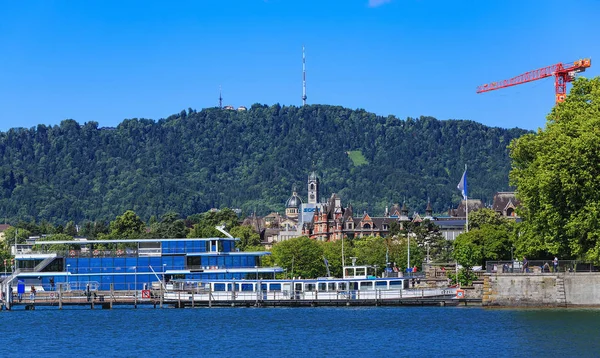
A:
(557, 175)
(249, 160)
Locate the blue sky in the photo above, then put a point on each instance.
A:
(108, 60)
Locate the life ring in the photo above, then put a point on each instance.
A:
(72, 253)
(96, 252)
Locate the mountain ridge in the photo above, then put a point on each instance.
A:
(196, 160)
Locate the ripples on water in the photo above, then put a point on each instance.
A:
(276, 332)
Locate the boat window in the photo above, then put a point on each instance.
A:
(396, 284)
(381, 284)
(286, 286)
(353, 285)
(275, 287)
(360, 271)
(309, 287)
(322, 286)
(263, 286)
(366, 286)
(229, 287)
(219, 287)
(298, 287)
(247, 287)
(342, 286)
(349, 272)
(331, 286)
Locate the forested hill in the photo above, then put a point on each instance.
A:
(194, 161)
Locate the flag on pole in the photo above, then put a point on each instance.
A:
(327, 266)
(462, 185)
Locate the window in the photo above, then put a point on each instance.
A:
(331, 286)
(342, 286)
(275, 287)
(322, 286)
(367, 226)
(309, 287)
(365, 286)
(381, 285)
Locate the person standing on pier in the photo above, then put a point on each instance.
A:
(525, 264)
(555, 263)
(32, 294)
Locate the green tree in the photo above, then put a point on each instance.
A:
(12, 233)
(127, 226)
(557, 175)
(249, 239)
(485, 216)
(170, 226)
(206, 227)
(70, 229)
(59, 247)
(332, 251)
(370, 250)
(300, 256)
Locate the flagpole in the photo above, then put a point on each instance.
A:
(467, 205)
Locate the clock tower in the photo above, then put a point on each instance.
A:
(313, 188)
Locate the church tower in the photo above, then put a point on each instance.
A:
(313, 188)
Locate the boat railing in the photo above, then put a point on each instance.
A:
(350, 295)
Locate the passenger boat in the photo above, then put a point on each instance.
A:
(356, 286)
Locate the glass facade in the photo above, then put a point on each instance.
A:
(138, 271)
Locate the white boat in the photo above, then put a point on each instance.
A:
(356, 287)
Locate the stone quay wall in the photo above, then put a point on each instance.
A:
(541, 289)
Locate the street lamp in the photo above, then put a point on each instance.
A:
(408, 251)
(135, 286)
(68, 274)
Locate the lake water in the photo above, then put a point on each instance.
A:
(320, 331)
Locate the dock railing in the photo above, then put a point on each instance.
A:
(539, 266)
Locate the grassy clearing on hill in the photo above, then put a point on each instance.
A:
(357, 158)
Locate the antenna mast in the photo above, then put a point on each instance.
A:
(303, 77)
(220, 99)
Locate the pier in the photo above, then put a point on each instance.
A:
(156, 299)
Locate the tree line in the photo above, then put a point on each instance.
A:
(193, 161)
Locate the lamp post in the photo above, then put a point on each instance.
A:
(68, 274)
(408, 251)
(163, 287)
(135, 287)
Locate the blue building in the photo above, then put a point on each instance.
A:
(133, 264)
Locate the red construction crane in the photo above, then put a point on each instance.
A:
(562, 72)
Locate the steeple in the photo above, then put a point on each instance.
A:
(313, 188)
